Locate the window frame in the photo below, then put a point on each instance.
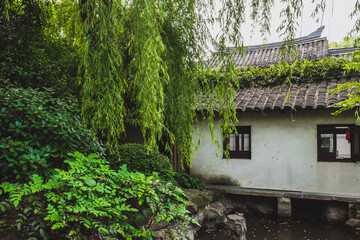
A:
(331, 129)
(237, 153)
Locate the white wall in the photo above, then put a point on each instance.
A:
(284, 154)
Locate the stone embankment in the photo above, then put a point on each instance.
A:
(208, 209)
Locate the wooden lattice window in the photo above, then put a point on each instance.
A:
(338, 143)
(239, 144)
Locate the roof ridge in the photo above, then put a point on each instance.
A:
(310, 47)
(316, 35)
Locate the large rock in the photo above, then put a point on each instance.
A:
(192, 208)
(199, 217)
(202, 198)
(158, 225)
(190, 233)
(214, 213)
(353, 222)
(160, 234)
(205, 208)
(236, 227)
(336, 212)
(190, 228)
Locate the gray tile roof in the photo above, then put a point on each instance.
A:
(305, 95)
(264, 56)
(311, 47)
(345, 52)
(301, 96)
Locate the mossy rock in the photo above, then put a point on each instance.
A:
(203, 198)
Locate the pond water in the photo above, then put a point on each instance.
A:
(270, 229)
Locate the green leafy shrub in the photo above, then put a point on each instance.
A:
(188, 181)
(91, 201)
(37, 130)
(138, 158)
(25, 221)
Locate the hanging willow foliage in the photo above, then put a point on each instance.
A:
(141, 61)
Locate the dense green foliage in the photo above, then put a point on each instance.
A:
(139, 158)
(30, 57)
(139, 69)
(346, 42)
(298, 71)
(37, 131)
(188, 181)
(39, 111)
(42, 197)
(90, 200)
(139, 59)
(353, 101)
(138, 65)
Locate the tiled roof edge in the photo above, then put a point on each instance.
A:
(336, 51)
(316, 35)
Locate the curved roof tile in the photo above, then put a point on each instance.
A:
(303, 96)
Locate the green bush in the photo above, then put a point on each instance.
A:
(188, 181)
(138, 158)
(37, 130)
(91, 201)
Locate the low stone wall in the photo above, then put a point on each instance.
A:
(331, 211)
(211, 208)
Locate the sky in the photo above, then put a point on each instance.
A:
(336, 21)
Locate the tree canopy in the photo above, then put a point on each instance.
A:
(346, 42)
(140, 62)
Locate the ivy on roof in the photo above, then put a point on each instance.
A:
(296, 72)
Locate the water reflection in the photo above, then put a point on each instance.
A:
(269, 229)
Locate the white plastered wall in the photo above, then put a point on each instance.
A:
(283, 154)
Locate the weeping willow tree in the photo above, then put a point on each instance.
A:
(141, 61)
